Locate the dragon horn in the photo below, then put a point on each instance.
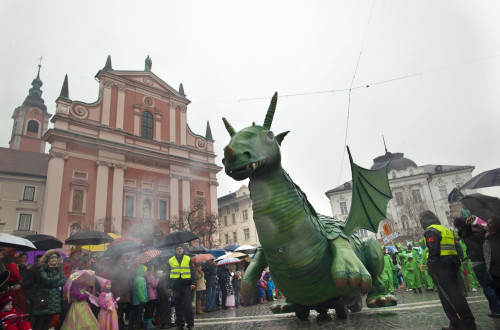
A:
(270, 112)
(229, 128)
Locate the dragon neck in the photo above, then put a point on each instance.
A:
(278, 207)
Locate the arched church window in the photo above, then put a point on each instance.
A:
(147, 125)
(75, 228)
(32, 128)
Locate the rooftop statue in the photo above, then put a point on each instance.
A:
(316, 261)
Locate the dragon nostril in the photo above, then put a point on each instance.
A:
(246, 153)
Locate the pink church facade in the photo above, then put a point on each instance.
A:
(127, 162)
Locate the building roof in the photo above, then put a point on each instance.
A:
(398, 161)
(23, 162)
(34, 98)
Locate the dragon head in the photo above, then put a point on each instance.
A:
(254, 151)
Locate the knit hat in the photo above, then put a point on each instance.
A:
(177, 245)
(5, 299)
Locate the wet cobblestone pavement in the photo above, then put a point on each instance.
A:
(414, 311)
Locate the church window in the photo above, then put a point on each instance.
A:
(75, 228)
(147, 125)
(77, 200)
(162, 210)
(129, 206)
(235, 237)
(246, 233)
(245, 214)
(233, 218)
(32, 127)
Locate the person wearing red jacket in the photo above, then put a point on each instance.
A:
(11, 319)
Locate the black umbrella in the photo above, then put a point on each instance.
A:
(123, 247)
(44, 242)
(89, 237)
(482, 206)
(483, 180)
(177, 237)
(196, 249)
(231, 247)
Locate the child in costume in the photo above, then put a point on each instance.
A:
(79, 315)
(10, 317)
(108, 318)
(230, 294)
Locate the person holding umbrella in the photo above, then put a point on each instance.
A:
(443, 265)
(182, 281)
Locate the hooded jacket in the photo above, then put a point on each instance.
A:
(139, 291)
(473, 238)
(433, 242)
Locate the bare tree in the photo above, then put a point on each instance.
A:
(198, 221)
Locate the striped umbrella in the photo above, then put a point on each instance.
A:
(144, 257)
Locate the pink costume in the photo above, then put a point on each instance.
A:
(108, 318)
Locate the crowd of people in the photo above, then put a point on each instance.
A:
(162, 293)
(451, 263)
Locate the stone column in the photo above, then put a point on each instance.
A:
(214, 207)
(53, 189)
(172, 123)
(101, 194)
(117, 198)
(120, 109)
(158, 115)
(174, 196)
(137, 120)
(183, 125)
(186, 193)
(106, 102)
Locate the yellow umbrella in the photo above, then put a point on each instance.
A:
(99, 247)
(239, 255)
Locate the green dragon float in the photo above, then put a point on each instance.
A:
(316, 261)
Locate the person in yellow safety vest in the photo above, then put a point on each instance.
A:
(443, 265)
(182, 281)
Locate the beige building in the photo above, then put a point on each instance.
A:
(236, 219)
(22, 187)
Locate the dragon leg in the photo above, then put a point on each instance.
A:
(378, 296)
(252, 276)
(348, 272)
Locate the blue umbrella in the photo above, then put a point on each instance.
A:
(231, 247)
(217, 252)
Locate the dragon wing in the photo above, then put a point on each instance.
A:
(370, 195)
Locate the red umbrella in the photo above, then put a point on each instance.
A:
(202, 257)
(144, 257)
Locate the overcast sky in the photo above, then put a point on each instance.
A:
(432, 67)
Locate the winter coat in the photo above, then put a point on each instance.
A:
(492, 257)
(50, 280)
(28, 280)
(200, 279)
(474, 240)
(151, 285)
(139, 291)
(210, 274)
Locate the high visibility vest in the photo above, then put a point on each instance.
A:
(182, 270)
(447, 243)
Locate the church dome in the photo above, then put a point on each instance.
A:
(398, 161)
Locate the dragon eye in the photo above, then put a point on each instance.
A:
(270, 136)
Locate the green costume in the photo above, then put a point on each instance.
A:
(317, 262)
(387, 274)
(427, 279)
(413, 278)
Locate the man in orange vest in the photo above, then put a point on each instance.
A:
(443, 265)
(182, 281)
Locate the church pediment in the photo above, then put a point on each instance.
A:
(148, 79)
